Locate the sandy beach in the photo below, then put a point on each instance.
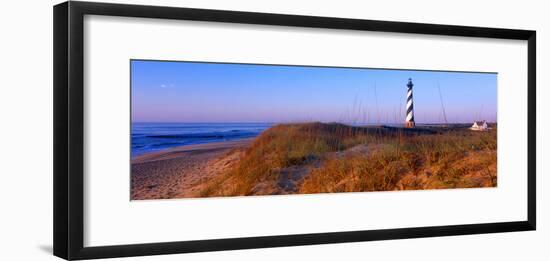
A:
(179, 172)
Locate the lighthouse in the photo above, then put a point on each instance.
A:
(409, 119)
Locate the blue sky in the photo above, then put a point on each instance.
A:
(215, 92)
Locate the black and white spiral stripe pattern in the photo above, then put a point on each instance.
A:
(410, 113)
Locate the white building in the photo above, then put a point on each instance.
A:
(479, 126)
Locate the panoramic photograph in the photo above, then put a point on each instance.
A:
(205, 129)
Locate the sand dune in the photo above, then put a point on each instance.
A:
(320, 158)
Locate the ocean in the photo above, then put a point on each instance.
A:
(149, 137)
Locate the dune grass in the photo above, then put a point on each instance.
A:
(448, 160)
(391, 159)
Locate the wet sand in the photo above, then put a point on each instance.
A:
(179, 172)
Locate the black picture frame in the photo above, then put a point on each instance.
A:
(69, 118)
